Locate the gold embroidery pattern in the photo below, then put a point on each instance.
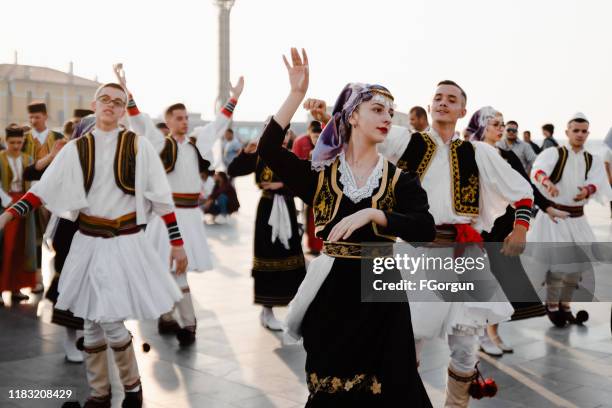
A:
(468, 193)
(462, 207)
(332, 385)
(266, 175)
(283, 264)
(357, 251)
(125, 162)
(430, 150)
(86, 149)
(327, 198)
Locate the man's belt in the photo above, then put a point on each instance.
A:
(105, 228)
(445, 234)
(574, 211)
(186, 200)
(357, 251)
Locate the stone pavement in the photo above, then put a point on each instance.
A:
(237, 363)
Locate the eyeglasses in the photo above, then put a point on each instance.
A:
(511, 130)
(107, 100)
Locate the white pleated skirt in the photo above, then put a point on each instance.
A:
(114, 279)
(193, 232)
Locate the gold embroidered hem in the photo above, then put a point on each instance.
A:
(283, 264)
(331, 385)
(358, 251)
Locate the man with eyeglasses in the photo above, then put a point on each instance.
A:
(112, 182)
(511, 142)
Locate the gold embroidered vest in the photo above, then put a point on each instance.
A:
(328, 196)
(124, 164)
(464, 172)
(6, 173)
(32, 147)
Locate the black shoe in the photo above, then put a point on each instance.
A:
(18, 296)
(581, 317)
(132, 399)
(186, 337)
(98, 402)
(167, 326)
(557, 317)
(38, 289)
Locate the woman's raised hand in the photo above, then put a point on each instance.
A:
(298, 71)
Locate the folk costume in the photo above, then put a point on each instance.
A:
(111, 182)
(19, 258)
(568, 170)
(278, 261)
(469, 185)
(358, 354)
(183, 162)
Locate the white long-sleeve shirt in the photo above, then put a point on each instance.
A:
(62, 191)
(185, 178)
(572, 177)
(499, 184)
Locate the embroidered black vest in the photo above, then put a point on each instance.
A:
(124, 164)
(169, 154)
(557, 172)
(328, 196)
(464, 172)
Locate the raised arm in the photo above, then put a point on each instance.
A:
(207, 135)
(295, 173)
(140, 123)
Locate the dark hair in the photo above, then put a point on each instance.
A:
(230, 130)
(223, 176)
(549, 127)
(69, 128)
(419, 111)
(512, 122)
(453, 83)
(161, 125)
(528, 132)
(578, 120)
(14, 130)
(314, 126)
(177, 106)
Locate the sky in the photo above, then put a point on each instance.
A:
(536, 61)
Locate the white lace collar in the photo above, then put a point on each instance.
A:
(349, 186)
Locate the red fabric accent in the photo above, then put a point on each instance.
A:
(522, 222)
(525, 202)
(13, 212)
(225, 111)
(169, 218)
(14, 273)
(177, 242)
(466, 234)
(302, 147)
(33, 199)
(133, 111)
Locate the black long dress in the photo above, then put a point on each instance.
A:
(516, 284)
(359, 354)
(277, 271)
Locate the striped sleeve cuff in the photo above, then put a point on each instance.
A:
(25, 205)
(131, 107)
(522, 214)
(228, 109)
(173, 230)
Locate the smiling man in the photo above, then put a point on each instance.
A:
(468, 186)
(112, 181)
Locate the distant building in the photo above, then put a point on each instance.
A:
(61, 91)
